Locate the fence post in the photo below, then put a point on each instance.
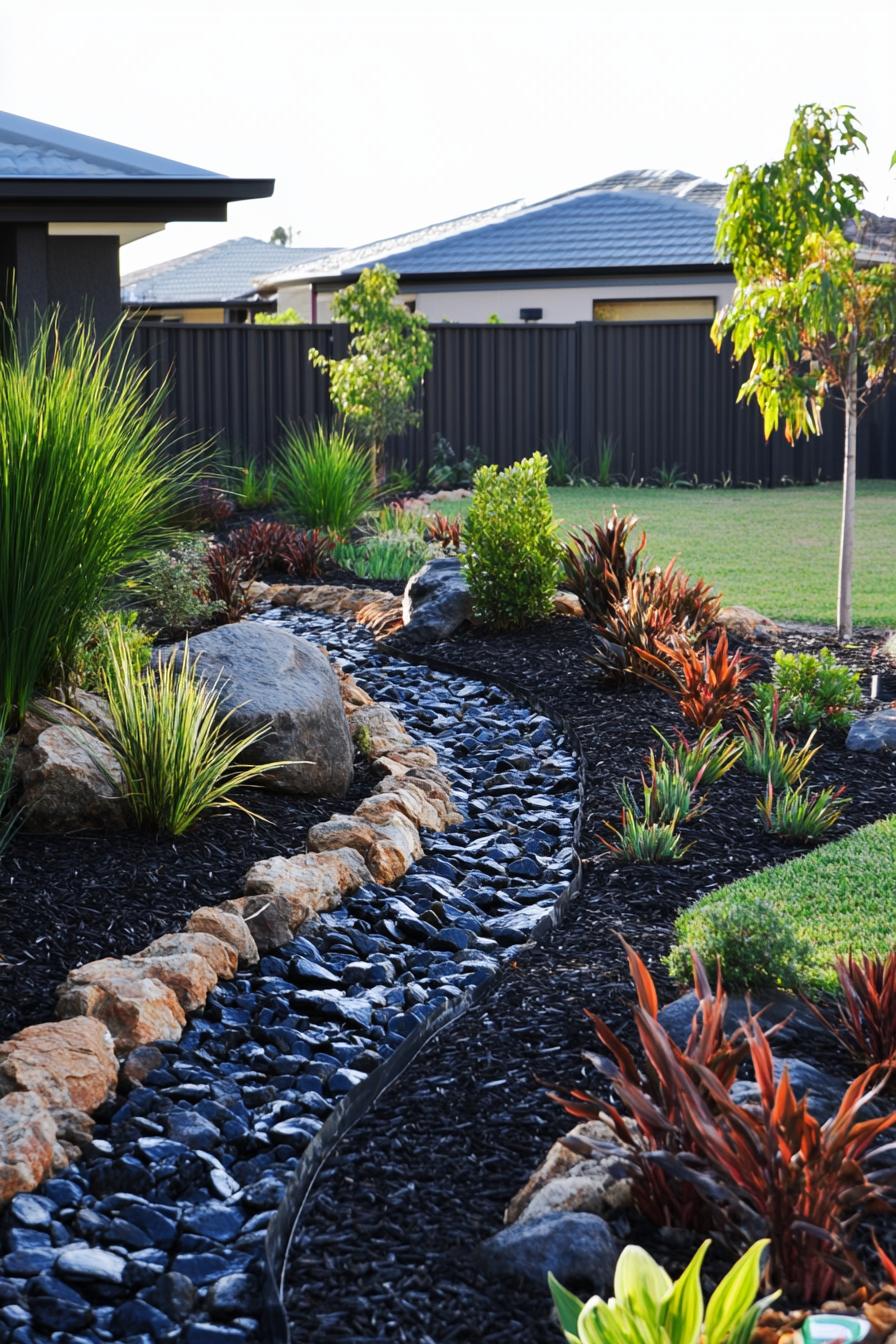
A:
(582, 414)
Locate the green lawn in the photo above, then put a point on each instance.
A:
(840, 898)
(775, 550)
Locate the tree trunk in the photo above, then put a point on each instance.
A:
(847, 524)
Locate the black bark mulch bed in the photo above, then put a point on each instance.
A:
(69, 899)
(388, 1246)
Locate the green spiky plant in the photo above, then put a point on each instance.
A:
(324, 479)
(87, 486)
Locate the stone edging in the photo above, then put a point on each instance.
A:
(54, 1075)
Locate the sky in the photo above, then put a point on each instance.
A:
(375, 118)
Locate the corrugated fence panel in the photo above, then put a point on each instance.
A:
(657, 390)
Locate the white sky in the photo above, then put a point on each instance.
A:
(379, 117)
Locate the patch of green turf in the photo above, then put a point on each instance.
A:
(840, 898)
(775, 550)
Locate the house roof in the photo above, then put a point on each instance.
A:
(49, 172)
(219, 274)
(629, 220)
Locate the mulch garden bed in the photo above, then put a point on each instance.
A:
(388, 1248)
(68, 899)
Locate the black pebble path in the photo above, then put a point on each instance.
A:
(387, 1250)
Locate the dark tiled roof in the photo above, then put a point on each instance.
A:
(32, 149)
(218, 274)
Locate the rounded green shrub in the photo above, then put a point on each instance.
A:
(755, 944)
(512, 553)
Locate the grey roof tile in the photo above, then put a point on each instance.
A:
(33, 149)
(218, 274)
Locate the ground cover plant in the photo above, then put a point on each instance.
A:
(767, 549)
(837, 900)
(86, 488)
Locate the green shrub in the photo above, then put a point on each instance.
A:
(178, 758)
(392, 558)
(91, 664)
(512, 552)
(324, 479)
(174, 587)
(87, 487)
(756, 945)
(810, 691)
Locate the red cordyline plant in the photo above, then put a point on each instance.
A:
(228, 582)
(271, 545)
(649, 1116)
(772, 1166)
(865, 1022)
(444, 531)
(710, 685)
(598, 564)
(693, 606)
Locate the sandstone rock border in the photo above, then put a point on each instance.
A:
(53, 1075)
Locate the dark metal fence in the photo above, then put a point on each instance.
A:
(656, 390)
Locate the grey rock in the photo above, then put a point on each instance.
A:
(90, 1264)
(436, 600)
(874, 732)
(798, 1024)
(268, 675)
(825, 1091)
(576, 1247)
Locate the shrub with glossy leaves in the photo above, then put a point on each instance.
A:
(648, 1308)
(512, 551)
(753, 943)
(811, 691)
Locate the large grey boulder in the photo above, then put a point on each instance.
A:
(71, 781)
(875, 732)
(269, 675)
(578, 1248)
(436, 600)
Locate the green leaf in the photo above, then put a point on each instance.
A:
(735, 1295)
(569, 1308)
(640, 1284)
(682, 1314)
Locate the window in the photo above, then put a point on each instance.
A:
(652, 310)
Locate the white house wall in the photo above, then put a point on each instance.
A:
(568, 301)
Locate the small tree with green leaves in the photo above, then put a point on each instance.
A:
(814, 304)
(390, 351)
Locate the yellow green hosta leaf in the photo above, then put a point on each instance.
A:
(640, 1284)
(734, 1296)
(682, 1314)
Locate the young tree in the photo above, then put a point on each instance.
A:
(814, 304)
(389, 353)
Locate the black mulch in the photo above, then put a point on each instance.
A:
(69, 899)
(387, 1250)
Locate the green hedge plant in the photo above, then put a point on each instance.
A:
(512, 552)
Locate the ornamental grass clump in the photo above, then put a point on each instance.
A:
(324, 479)
(705, 760)
(87, 488)
(512, 551)
(799, 816)
(171, 740)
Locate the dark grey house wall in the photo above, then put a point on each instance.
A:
(657, 390)
(79, 274)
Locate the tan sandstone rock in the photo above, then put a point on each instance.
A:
(28, 1144)
(377, 731)
(398, 762)
(270, 918)
(72, 781)
(567, 604)
(308, 882)
(137, 1007)
(401, 796)
(600, 1175)
(746, 624)
(229, 927)
(387, 850)
(67, 1065)
(220, 955)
